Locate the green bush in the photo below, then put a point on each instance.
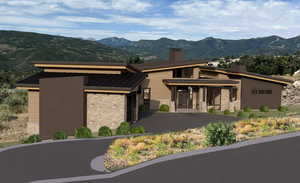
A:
(4, 115)
(253, 115)
(105, 131)
(247, 109)
(137, 130)
(212, 111)
(16, 101)
(123, 129)
(164, 108)
(33, 139)
(219, 134)
(83, 132)
(283, 109)
(264, 108)
(242, 114)
(226, 112)
(60, 135)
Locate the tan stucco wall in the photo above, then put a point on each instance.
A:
(33, 112)
(160, 93)
(105, 110)
(213, 75)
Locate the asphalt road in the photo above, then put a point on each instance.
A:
(164, 122)
(48, 161)
(72, 158)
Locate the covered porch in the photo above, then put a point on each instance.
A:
(200, 95)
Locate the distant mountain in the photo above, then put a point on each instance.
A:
(208, 48)
(18, 49)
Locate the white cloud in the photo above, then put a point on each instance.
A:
(32, 21)
(79, 19)
(243, 17)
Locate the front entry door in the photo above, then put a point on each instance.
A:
(183, 99)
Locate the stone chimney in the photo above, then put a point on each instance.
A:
(176, 55)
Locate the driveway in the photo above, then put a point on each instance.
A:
(165, 122)
(52, 160)
(72, 158)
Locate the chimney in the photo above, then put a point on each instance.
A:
(176, 55)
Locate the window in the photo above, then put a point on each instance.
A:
(183, 73)
(261, 92)
(147, 93)
(233, 94)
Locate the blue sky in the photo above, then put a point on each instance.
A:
(153, 19)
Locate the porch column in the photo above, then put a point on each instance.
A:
(173, 99)
(202, 99)
(195, 93)
(224, 99)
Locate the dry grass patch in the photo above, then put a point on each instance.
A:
(130, 151)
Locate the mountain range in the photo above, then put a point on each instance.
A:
(207, 48)
(18, 49)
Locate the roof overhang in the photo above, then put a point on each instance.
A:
(250, 75)
(173, 67)
(200, 82)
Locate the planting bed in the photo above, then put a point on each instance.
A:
(130, 151)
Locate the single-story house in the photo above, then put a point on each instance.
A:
(67, 95)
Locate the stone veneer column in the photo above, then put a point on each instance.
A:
(224, 99)
(105, 110)
(202, 104)
(33, 125)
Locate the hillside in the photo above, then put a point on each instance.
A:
(18, 49)
(208, 48)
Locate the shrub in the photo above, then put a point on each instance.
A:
(137, 130)
(247, 109)
(60, 135)
(4, 113)
(123, 129)
(212, 111)
(226, 112)
(33, 139)
(105, 131)
(164, 108)
(83, 132)
(219, 134)
(283, 109)
(16, 101)
(242, 114)
(253, 115)
(264, 108)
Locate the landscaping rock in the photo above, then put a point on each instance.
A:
(291, 94)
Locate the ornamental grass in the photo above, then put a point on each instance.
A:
(130, 151)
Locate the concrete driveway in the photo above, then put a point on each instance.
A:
(72, 158)
(164, 122)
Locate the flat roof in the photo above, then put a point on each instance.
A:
(248, 74)
(166, 64)
(88, 65)
(201, 82)
(117, 82)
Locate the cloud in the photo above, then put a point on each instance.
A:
(244, 17)
(79, 19)
(32, 21)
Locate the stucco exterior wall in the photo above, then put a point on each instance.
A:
(33, 113)
(160, 93)
(105, 110)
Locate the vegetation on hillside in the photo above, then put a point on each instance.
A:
(18, 49)
(208, 48)
(269, 65)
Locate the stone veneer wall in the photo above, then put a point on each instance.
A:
(33, 125)
(225, 99)
(105, 110)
